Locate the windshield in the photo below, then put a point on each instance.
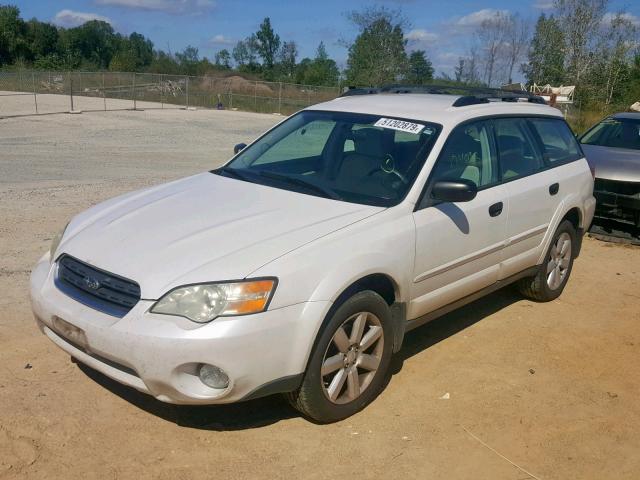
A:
(358, 158)
(614, 132)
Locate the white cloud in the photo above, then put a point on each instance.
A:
(221, 40)
(610, 17)
(167, 6)
(70, 18)
(476, 18)
(421, 35)
(544, 4)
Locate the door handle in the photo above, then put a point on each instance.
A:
(553, 189)
(495, 209)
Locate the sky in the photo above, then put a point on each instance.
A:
(442, 28)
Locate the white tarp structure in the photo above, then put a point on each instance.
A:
(563, 94)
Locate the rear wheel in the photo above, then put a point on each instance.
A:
(552, 277)
(348, 366)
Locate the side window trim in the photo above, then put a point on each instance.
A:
(423, 199)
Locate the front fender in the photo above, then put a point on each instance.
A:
(323, 269)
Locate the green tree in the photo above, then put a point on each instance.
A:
(141, 48)
(93, 44)
(287, 59)
(123, 61)
(245, 54)
(223, 59)
(322, 70)
(268, 43)
(164, 63)
(377, 56)
(632, 94)
(188, 60)
(420, 70)
(12, 30)
(546, 56)
(42, 38)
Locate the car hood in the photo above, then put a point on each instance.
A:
(201, 228)
(612, 163)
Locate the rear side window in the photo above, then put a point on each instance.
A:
(517, 152)
(558, 143)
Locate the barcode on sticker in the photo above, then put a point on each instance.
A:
(399, 125)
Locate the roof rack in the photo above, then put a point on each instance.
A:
(470, 95)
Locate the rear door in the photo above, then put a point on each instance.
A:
(533, 192)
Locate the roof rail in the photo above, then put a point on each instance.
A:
(470, 95)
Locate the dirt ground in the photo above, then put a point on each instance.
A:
(501, 389)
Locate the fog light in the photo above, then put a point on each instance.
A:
(213, 376)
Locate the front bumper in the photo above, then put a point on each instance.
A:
(618, 205)
(160, 354)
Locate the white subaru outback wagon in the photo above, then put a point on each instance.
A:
(299, 265)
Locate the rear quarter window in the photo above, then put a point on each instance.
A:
(557, 141)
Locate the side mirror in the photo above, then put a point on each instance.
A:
(454, 190)
(239, 147)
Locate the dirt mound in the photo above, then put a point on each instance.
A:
(236, 84)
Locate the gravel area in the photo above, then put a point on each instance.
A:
(497, 389)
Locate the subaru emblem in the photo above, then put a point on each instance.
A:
(91, 283)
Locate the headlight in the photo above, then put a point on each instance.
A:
(204, 302)
(56, 242)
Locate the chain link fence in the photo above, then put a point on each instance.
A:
(33, 93)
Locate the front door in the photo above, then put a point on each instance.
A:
(459, 245)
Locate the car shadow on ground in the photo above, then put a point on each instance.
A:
(269, 410)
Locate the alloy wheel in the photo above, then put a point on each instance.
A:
(352, 358)
(559, 261)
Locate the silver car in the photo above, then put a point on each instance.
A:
(613, 148)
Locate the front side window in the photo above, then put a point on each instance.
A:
(516, 151)
(468, 155)
(559, 144)
(613, 132)
(358, 158)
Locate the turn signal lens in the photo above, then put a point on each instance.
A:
(204, 302)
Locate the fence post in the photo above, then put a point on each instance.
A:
(133, 93)
(161, 91)
(104, 98)
(35, 98)
(255, 96)
(280, 99)
(71, 89)
(187, 76)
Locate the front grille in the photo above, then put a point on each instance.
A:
(96, 288)
(615, 186)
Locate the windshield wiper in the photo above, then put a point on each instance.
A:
(232, 172)
(325, 192)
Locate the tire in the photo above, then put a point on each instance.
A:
(554, 272)
(329, 394)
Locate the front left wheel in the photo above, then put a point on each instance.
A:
(348, 366)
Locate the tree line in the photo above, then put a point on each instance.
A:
(579, 43)
(96, 46)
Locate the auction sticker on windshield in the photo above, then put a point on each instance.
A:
(399, 125)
